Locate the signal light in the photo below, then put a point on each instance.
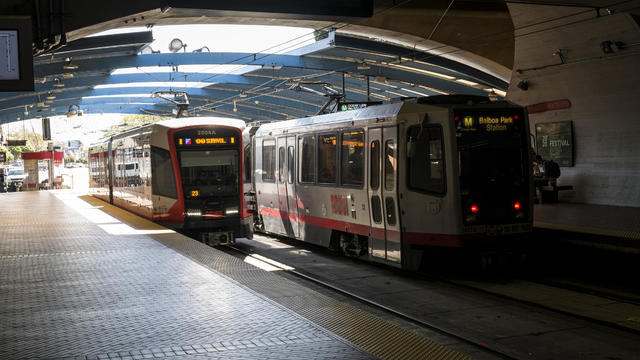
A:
(456, 118)
(516, 117)
(474, 209)
(516, 206)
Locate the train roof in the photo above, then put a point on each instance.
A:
(372, 112)
(176, 123)
(195, 121)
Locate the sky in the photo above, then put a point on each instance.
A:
(226, 38)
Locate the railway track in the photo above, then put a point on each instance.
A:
(478, 343)
(480, 289)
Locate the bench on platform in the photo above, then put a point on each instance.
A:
(549, 194)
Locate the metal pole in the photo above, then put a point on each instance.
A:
(368, 93)
(51, 179)
(344, 94)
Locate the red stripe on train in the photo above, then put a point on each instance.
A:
(409, 238)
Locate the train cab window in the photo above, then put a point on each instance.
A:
(327, 158)
(290, 161)
(163, 182)
(281, 164)
(269, 160)
(426, 167)
(247, 163)
(307, 158)
(374, 175)
(352, 158)
(389, 164)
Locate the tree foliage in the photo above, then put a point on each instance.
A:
(131, 121)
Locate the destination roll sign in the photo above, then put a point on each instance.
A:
(206, 137)
(487, 122)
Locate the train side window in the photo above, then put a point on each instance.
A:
(281, 163)
(352, 158)
(307, 159)
(374, 175)
(376, 209)
(269, 160)
(327, 158)
(389, 164)
(390, 208)
(163, 182)
(247, 163)
(291, 170)
(426, 168)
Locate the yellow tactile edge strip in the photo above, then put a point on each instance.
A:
(370, 333)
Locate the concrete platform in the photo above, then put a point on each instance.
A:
(78, 283)
(614, 227)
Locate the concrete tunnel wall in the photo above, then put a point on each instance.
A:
(602, 88)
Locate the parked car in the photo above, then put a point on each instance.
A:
(15, 179)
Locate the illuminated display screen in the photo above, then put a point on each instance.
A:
(487, 122)
(195, 193)
(186, 141)
(346, 106)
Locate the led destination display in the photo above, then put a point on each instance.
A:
(206, 141)
(206, 137)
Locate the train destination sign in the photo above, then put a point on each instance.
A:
(488, 123)
(346, 106)
(188, 141)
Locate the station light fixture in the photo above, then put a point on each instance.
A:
(58, 83)
(243, 94)
(68, 65)
(50, 96)
(363, 66)
(177, 44)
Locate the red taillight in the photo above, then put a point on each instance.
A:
(474, 209)
(516, 206)
(516, 117)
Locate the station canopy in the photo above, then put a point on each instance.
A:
(121, 73)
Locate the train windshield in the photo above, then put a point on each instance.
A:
(209, 173)
(493, 159)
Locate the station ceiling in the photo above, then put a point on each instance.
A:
(351, 60)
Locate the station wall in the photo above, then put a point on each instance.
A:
(559, 53)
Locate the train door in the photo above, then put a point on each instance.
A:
(292, 196)
(384, 245)
(281, 180)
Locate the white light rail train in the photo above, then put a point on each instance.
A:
(387, 182)
(183, 173)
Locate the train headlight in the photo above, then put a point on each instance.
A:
(233, 210)
(194, 213)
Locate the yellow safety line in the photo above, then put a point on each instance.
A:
(370, 333)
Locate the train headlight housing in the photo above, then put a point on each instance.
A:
(232, 210)
(194, 213)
